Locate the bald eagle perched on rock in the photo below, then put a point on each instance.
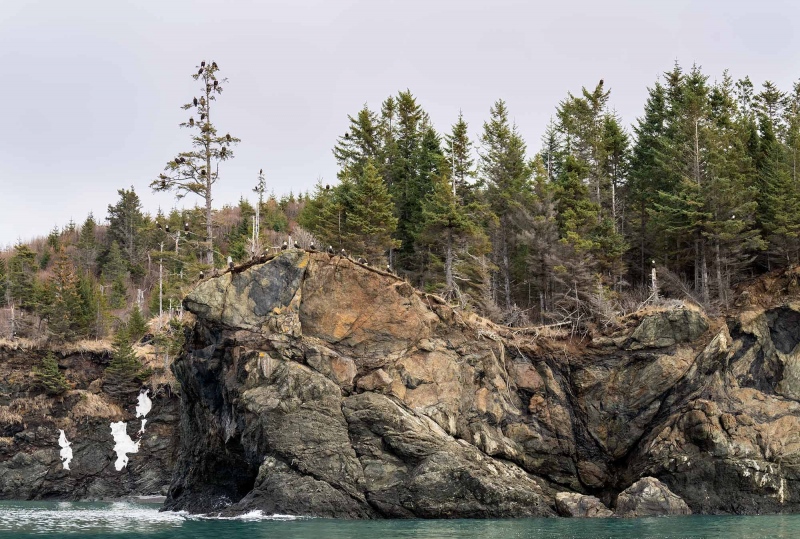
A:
(296, 245)
(284, 246)
(343, 253)
(312, 248)
(230, 263)
(330, 249)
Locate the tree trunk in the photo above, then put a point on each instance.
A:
(721, 288)
(209, 228)
(448, 263)
(505, 264)
(704, 275)
(642, 225)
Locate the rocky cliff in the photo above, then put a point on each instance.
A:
(313, 385)
(30, 421)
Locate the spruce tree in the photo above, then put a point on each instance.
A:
(458, 151)
(126, 224)
(449, 228)
(371, 221)
(137, 325)
(360, 143)
(504, 170)
(197, 170)
(21, 277)
(543, 251)
(115, 274)
(64, 312)
(48, 376)
(3, 282)
(87, 245)
(124, 374)
(647, 176)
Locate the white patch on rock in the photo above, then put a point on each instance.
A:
(122, 444)
(143, 408)
(145, 404)
(66, 450)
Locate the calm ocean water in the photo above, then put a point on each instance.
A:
(123, 519)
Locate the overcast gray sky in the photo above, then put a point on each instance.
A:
(91, 90)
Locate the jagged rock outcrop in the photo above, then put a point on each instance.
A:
(313, 385)
(574, 505)
(30, 465)
(649, 497)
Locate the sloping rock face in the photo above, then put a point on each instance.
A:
(312, 385)
(649, 497)
(30, 421)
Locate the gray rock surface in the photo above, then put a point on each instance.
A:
(649, 497)
(575, 505)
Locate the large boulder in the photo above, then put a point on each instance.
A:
(668, 328)
(572, 504)
(649, 497)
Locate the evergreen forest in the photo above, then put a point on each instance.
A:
(701, 190)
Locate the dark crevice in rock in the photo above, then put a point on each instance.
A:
(784, 329)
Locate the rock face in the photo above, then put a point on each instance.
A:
(315, 386)
(572, 504)
(30, 421)
(649, 497)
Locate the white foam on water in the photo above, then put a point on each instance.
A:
(254, 515)
(66, 450)
(74, 518)
(141, 429)
(122, 444)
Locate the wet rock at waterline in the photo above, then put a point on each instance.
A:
(649, 497)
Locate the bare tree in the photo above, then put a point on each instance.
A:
(191, 171)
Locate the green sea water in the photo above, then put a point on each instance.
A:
(124, 519)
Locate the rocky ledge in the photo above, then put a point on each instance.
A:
(312, 385)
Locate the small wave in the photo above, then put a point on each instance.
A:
(254, 515)
(72, 517)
